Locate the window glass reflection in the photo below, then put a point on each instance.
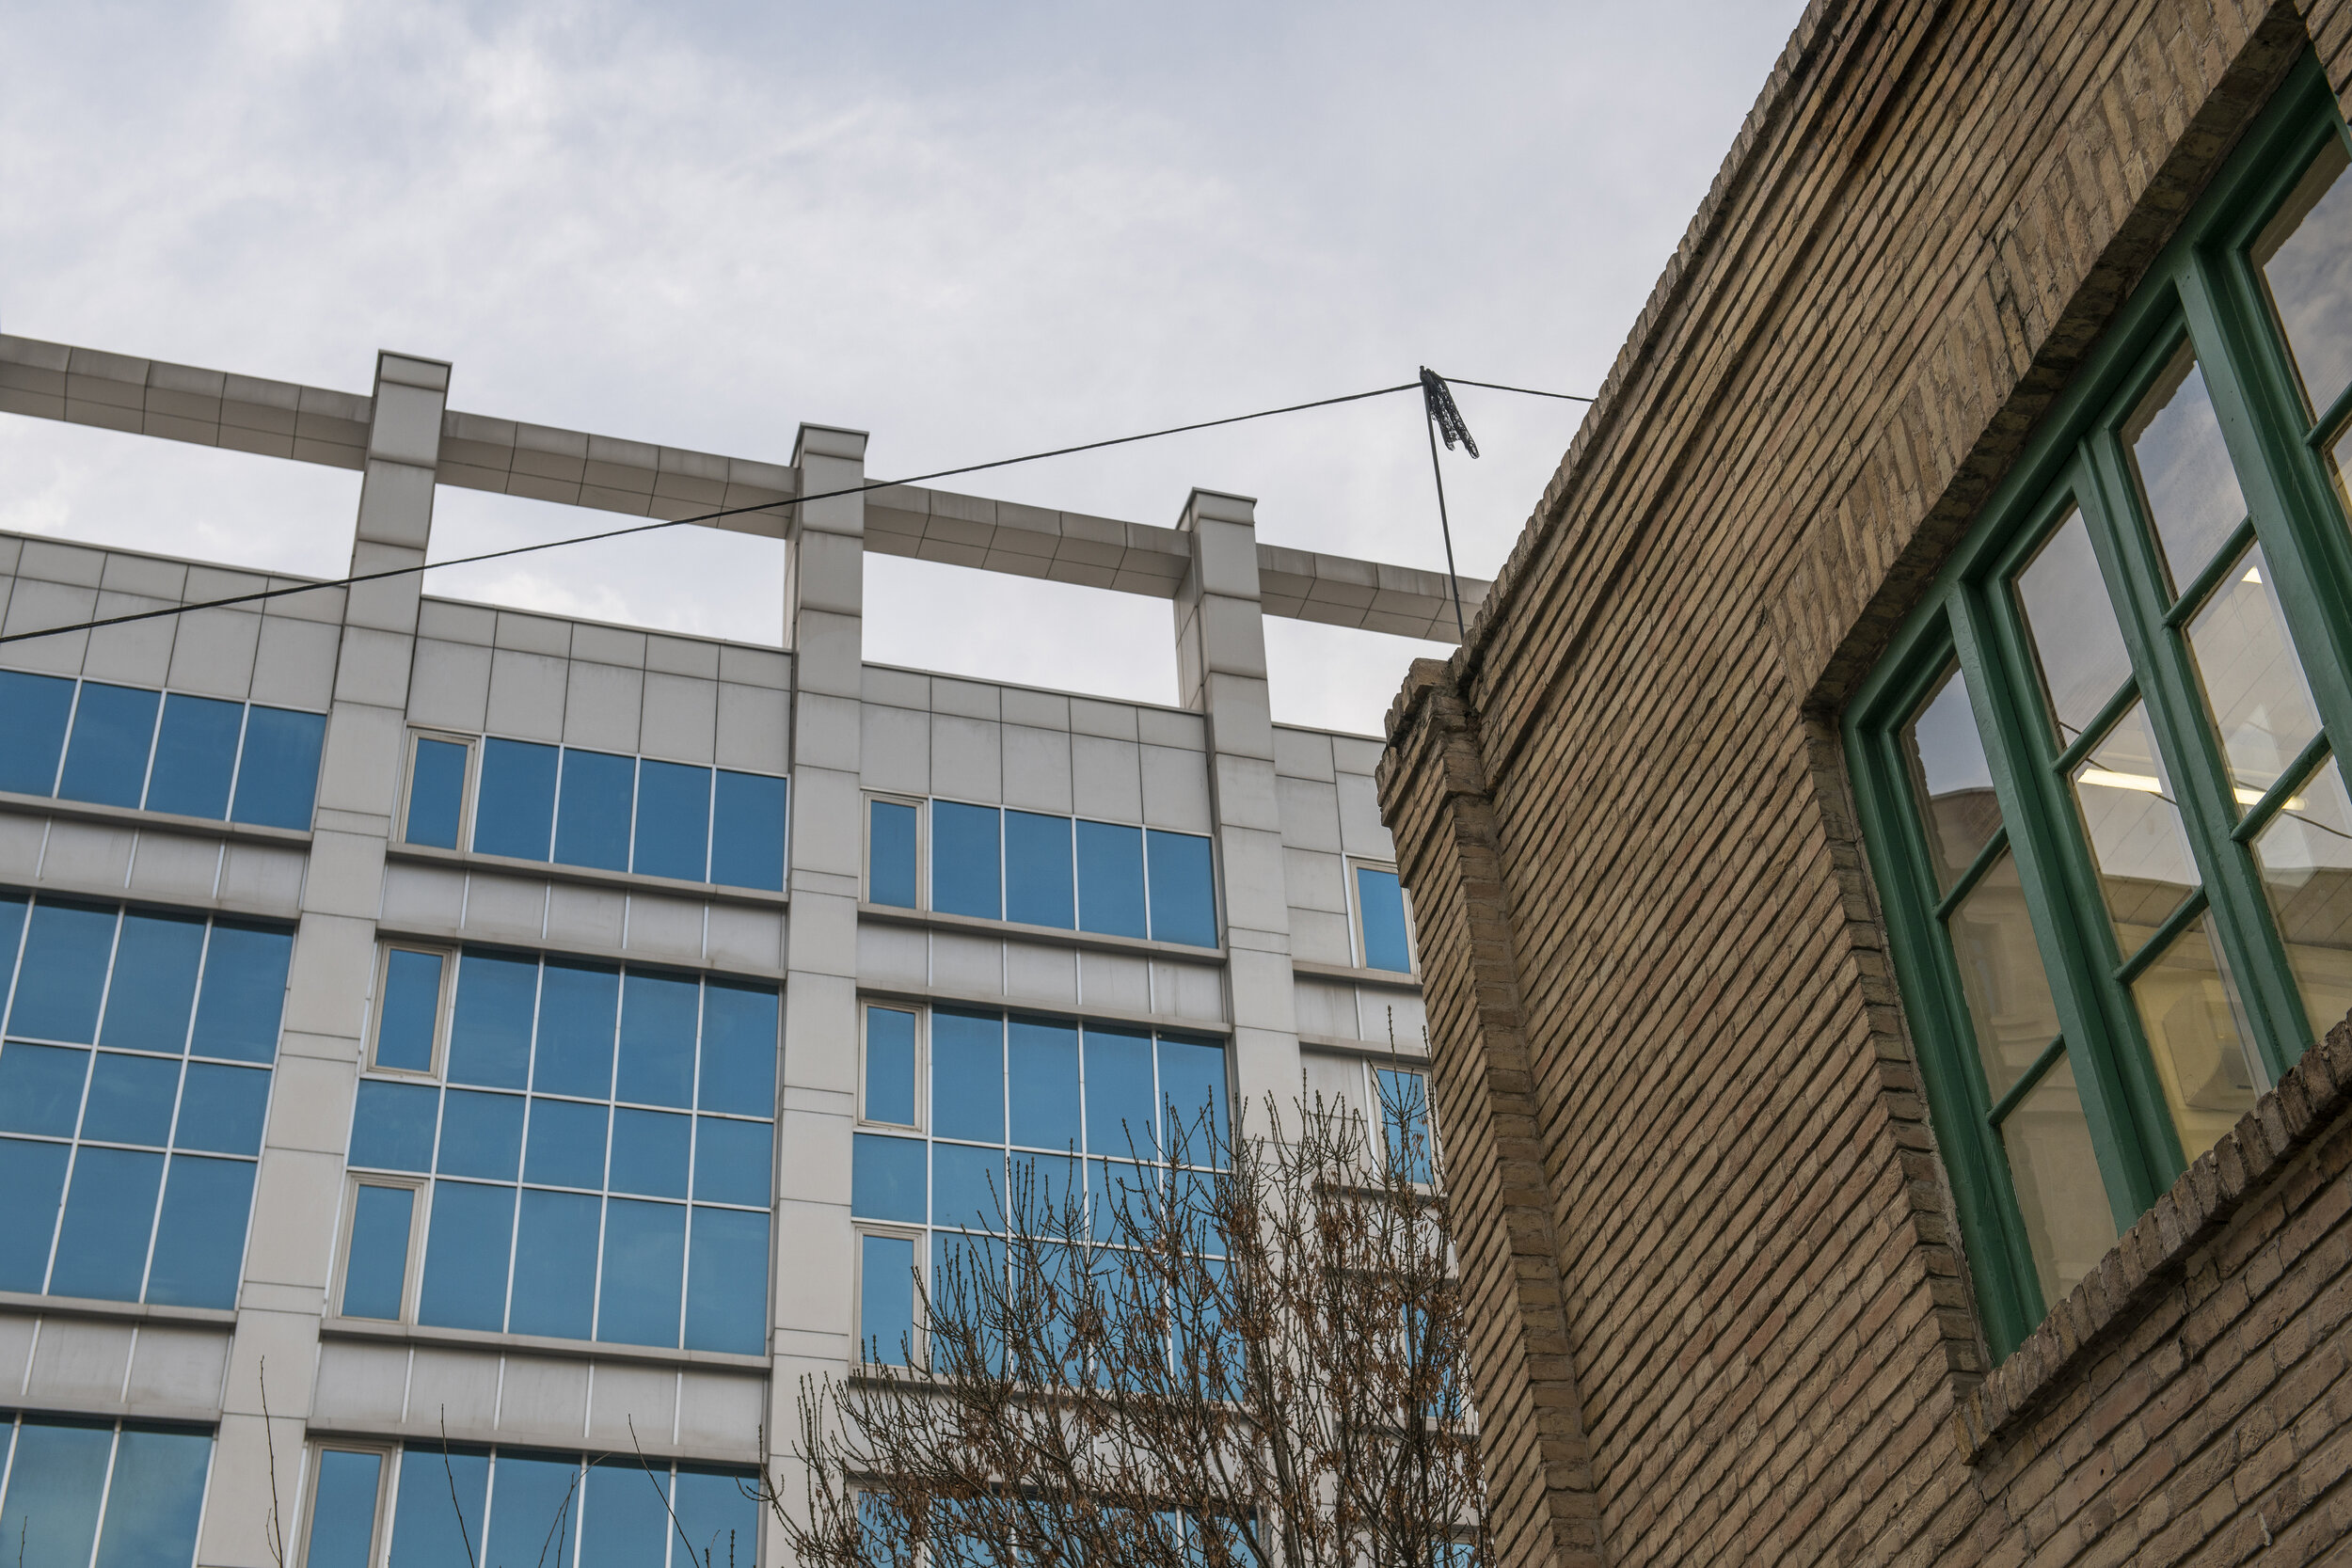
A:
(2254, 685)
(2189, 1011)
(1950, 778)
(2071, 625)
(2305, 857)
(2134, 829)
(2000, 972)
(2185, 480)
(2304, 255)
(2069, 1224)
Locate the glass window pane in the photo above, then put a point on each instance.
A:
(514, 812)
(1110, 880)
(412, 1006)
(964, 871)
(1404, 1121)
(2134, 829)
(11, 927)
(1044, 1080)
(1040, 886)
(2305, 857)
(377, 1269)
(161, 954)
(1184, 889)
(2175, 446)
(673, 820)
(40, 1089)
(465, 1258)
(577, 1005)
(2069, 1224)
(1380, 899)
(555, 1265)
(1038, 1187)
(33, 1176)
(278, 778)
(888, 1179)
(222, 1109)
(200, 1241)
(967, 1186)
(2305, 256)
(733, 1162)
(437, 794)
(154, 1503)
(747, 830)
(131, 1100)
(890, 856)
(1121, 1115)
(885, 1309)
(1192, 1084)
(567, 1143)
(105, 758)
(439, 1511)
(890, 1066)
(534, 1505)
(196, 755)
(55, 1480)
(726, 1282)
(342, 1517)
(592, 808)
(626, 1523)
(392, 1125)
(109, 1216)
(64, 973)
(245, 993)
(481, 1135)
(2254, 687)
(719, 1519)
(645, 1260)
(1116, 1188)
(489, 1032)
(650, 1152)
(2010, 1009)
(1950, 778)
(2189, 1011)
(33, 714)
(2071, 624)
(968, 1075)
(657, 1020)
(739, 1065)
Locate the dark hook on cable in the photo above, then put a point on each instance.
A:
(1437, 402)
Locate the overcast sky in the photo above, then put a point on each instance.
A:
(973, 229)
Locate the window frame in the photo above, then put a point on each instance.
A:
(2202, 290)
(920, 806)
(922, 1015)
(444, 1001)
(468, 781)
(412, 1259)
(1358, 947)
(918, 1347)
(388, 1456)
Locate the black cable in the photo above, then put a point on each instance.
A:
(1499, 386)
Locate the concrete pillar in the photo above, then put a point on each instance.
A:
(299, 1189)
(1221, 672)
(824, 607)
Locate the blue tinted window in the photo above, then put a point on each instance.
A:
(537, 1505)
(726, 1282)
(1184, 891)
(1038, 888)
(41, 1087)
(650, 1152)
(592, 810)
(33, 1176)
(11, 929)
(1044, 1078)
(514, 811)
(1116, 1188)
(163, 952)
(437, 1519)
(244, 993)
(105, 758)
(885, 1316)
(555, 1263)
(1192, 1082)
(1404, 1120)
(343, 1520)
(109, 1213)
(887, 1177)
(715, 1513)
(1038, 1185)
(64, 972)
(58, 1476)
(157, 1493)
(481, 1135)
(890, 856)
(658, 1022)
(965, 877)
(1121, 1115)
(195, 756)
(377, 1269)
(1110, 880)
(968, 1076)
(747, 832)
(465, 1256)
(489, 1034)
(567, 1143)
(629, 1516)
(739, 1071)
(1382, 902)
(967, 1186)
(222, 1109)
(277, 775)
(673, 820)
(644, 1252)
(131, 1100)
(576, 1005)
(890, 1066)
(33, 714)
(391, 1127)
(201, 1239)
(437, 794)
(412, 1006)
(733, 1161)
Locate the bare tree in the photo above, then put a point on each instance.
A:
(1251, 1355)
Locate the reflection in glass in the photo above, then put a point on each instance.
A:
(2184, 469)
(2305, 256)
(2189, 1011)
(2071, 626)
(2305, 857)
(2254, 685)
(2134, 829)
(2068, 1222)
(1950, 778)
(2000, 970)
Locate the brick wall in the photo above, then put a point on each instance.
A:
(1721, 1313)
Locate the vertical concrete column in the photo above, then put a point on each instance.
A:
(299, 1189)
(1221, 671)
(824, 614)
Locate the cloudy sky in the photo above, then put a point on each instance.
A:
(973, 229)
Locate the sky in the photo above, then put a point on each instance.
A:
(974, 230)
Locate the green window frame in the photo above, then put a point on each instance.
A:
(2110, 860)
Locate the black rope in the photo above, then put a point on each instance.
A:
(1499, 386)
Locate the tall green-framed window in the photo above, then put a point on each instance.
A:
(2098, 768)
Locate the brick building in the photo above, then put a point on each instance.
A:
(1880, 857)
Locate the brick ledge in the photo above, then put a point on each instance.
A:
(2314, 1095)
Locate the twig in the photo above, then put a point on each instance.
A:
(455, 1507)
(269, 1441)
(675, 1523)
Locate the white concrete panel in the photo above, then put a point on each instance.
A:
(665, 928)
(1189, 990)
(754, 666)
(296, 665)
(1047, 977)
(966, 699)
(1320, 938)
(38, 606)
(1326, 1009)
(20, 839)
(1159, 726)
(296, 1193)
(967, 762)
(1175, 789)
(138, 654)
(1037, 769)
(973, 966)
(753, 723)
(1339, 1080)
(334, 970)
(1361, 829)
(505, 907)
(893, 954)
(534, 634)
(1106, 777)
(681, 721)
(55, 562)
(17, 1333)
(261, 877)
(213, 653)
(362, 763)
(1115, 981)
(167, 867)
(1313, 880)
(744, 940)
(424, 897)
(457, 1385)
(609, 645)
(601, 707)
(590, 917)
(527, 695)
(361, 1383)
(682, 655)
(1352, 754)
(79, 1363)
(622, 1394)
(826, 732)
(84, 855)
(448, 685)
(180, 1368)
(452, 622)
(1302, 755)
(1310, 812)
(719, 1415)
(894, 749)
(907, 689)
(545, 1399)
(145, 575)
(310, 1105)
(1044, 710)
(1112, 720)
(1382, 1010)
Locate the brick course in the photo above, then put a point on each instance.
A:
(1722, 1310)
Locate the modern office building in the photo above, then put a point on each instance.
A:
(515, 1050)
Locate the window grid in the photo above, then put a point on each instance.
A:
(60, 1496)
